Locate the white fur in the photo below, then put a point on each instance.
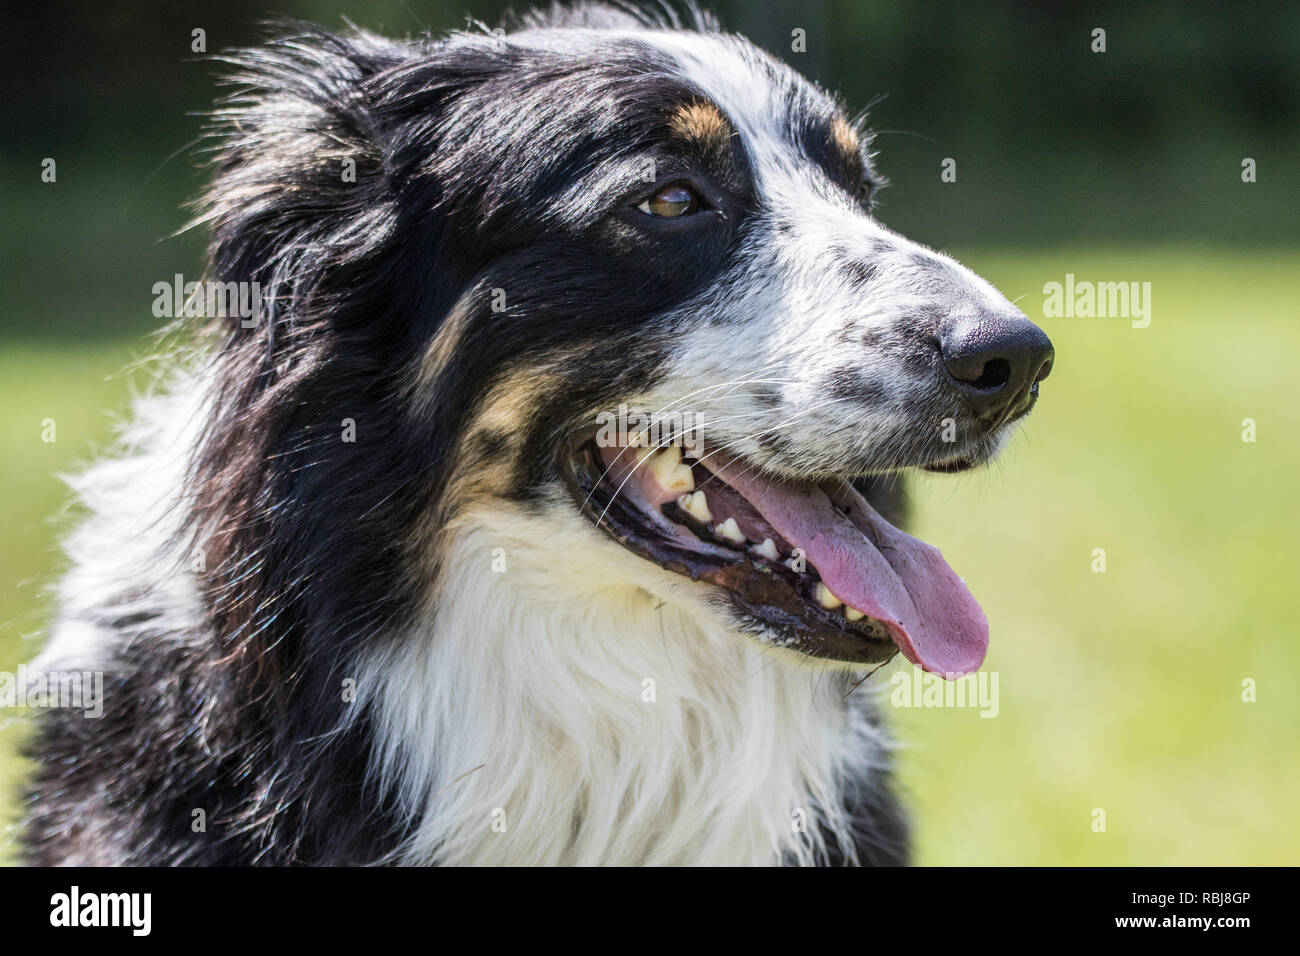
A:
(794, 302)
(522, 701)
(123, 555)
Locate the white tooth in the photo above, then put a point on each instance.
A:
(697, 506)
(853, 614)
(730, 530)
(672, 475)
(767, 550)
(825, 598)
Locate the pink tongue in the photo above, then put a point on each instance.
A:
(872, 566)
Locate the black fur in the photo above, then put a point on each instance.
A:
(466, 153)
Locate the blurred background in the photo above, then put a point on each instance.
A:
(1119, 690)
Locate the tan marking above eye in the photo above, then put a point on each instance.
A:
(702, 123)
(844, 138)
(671, 202)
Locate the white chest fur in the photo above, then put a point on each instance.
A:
(568, 703)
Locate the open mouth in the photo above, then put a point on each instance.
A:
(810, 565)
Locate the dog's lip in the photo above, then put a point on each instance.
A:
(901, 592)
(972, 455)
(768, 596)
(952, 466)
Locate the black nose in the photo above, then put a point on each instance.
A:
(996, 361)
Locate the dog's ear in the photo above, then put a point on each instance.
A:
(300, 185)
(304, 210)
(325, 192)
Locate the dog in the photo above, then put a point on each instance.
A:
(406, 569)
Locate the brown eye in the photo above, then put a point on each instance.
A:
(671, 202)
(865, 189)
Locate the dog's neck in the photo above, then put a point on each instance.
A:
(551, 712)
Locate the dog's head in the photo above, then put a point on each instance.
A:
(518, 263)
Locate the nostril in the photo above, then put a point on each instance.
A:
(1044, 370)
(995, 373)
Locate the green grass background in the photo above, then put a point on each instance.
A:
(1119, 691)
